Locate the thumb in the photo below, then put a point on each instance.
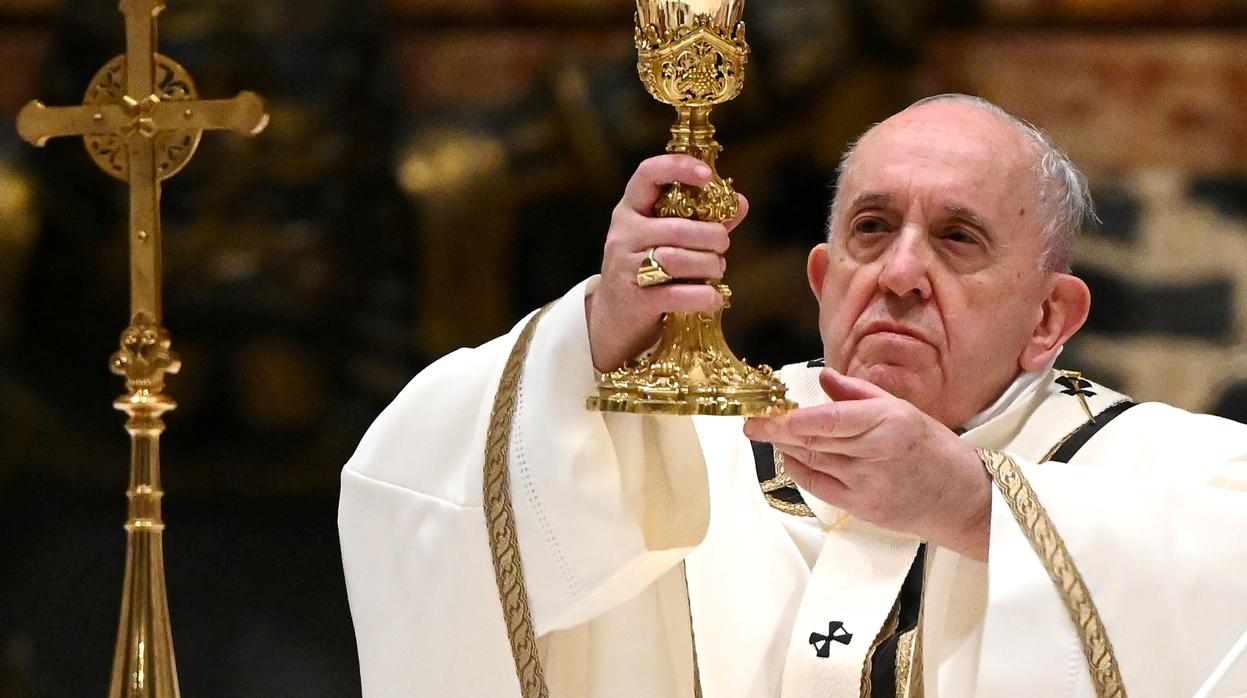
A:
(841, 387)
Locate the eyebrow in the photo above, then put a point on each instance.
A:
(870, 200)
(966, 215)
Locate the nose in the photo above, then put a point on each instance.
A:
(907, 265)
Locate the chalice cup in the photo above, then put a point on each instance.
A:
(692, 55)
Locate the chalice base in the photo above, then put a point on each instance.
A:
(691, 372)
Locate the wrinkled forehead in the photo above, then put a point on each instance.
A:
(948, 151)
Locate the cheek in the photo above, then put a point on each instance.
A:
(988, 330)
(845, 295)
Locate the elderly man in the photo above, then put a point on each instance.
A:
(952, 516)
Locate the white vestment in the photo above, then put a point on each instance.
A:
(617, 515)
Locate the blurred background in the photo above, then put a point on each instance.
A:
(433, 170)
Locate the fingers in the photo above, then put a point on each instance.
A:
(655, 173)
(839, 420)
(841, 387)
(740, 214)
(675, 232)
(681, 298)
(690, 264)
(822, 485)
(841, 467)
(823, 427)
(624, 317)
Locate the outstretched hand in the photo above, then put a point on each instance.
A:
(883, 460)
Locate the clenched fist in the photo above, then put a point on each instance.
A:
(625, 318)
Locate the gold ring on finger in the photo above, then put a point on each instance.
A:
(651, 272)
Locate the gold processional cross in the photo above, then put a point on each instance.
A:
(141, 123)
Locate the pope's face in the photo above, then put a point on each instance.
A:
(930, 285)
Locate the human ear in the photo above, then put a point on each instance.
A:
(816, 268)
(1064, 311)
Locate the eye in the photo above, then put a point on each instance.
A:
(869, 225)
(960, 236)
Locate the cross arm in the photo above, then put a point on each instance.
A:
(37, 123)
(244, 113)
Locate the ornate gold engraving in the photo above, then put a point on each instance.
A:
(145, 355)
(691, 372)
(174, 147)
(504, 545)
(714, 202)
(692, 62)
(1044, 538)
(140, 122)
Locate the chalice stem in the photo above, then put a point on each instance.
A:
(693, 134)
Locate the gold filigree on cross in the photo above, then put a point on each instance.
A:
(145, 355)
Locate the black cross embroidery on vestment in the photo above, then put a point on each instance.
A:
(835, 633)
(1075, 385)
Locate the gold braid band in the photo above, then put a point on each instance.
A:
(504, 544)
(1044, 538)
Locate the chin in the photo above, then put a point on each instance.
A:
(901, 381)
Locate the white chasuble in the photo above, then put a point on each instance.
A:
(1129, 558)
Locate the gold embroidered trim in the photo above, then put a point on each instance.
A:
(692, 635)
(915, 688)
(504, 544)
(889, 627)
(778, 482)
(788, 507)
(500, 521)
(905, 647)
(781, 480)
(1044, 538)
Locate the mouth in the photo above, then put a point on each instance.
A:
(894, 328)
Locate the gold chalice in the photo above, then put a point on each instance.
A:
(692, 55)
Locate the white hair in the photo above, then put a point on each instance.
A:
(1063, 193)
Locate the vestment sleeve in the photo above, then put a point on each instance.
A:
(604, 504)
(1152, 516)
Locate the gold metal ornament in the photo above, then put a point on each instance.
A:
(692, 55)
(141, 123)
(651, 272)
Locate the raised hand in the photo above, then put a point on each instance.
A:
(625, 318)
(885, 461)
